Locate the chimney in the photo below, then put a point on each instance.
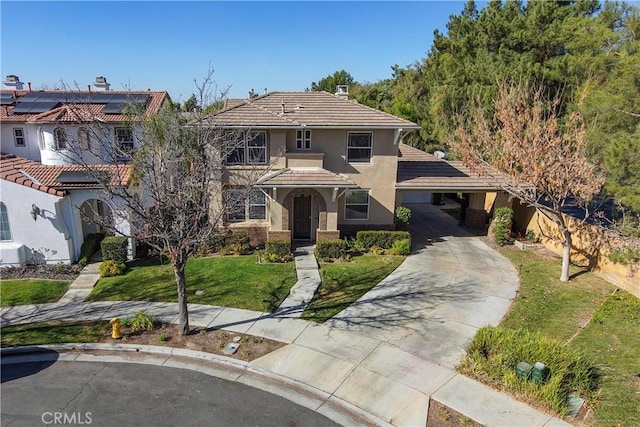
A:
(342, 91)
(101, 83)
(13, 82)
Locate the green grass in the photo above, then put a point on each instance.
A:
(545, 304)
(613, 340)
(53, 333)
(234, 281)
(345, 282)
(559, 310)
(31, 291)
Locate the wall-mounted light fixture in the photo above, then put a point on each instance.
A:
(35, 211)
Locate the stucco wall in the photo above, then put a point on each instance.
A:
(590, 248)
(48, 238)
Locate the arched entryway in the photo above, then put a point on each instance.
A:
(95, 215)
(303, 212)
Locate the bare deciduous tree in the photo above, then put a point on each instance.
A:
(176, 199)
(543, 159)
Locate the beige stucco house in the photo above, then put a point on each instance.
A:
(329, 164)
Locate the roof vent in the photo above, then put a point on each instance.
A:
(14, 82)
(101, 83)
(342, 91)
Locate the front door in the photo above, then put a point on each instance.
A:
(302, 217)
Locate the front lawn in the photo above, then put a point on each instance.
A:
(233, 281)
(31, 291)
(53, 333)
(344, 282)
(583, 316)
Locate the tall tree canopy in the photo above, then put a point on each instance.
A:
(330, 82)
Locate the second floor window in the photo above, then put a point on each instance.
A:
(124, 139)
(303, 139)
(60, 138)
(359, 147)
(18, 137)
(249, 149)
(83, 138)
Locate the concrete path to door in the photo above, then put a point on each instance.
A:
(431, 306)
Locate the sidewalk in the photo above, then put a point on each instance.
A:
(346, 368)
(308, 281)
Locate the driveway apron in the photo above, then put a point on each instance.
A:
(433, 303)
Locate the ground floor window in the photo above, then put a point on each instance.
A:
(5, 231)
(243, 205)
(356, 204)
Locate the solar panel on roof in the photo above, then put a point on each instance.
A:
(31, 97)
(114, 107)
(81, 177)
(34, 107)
(6, 99)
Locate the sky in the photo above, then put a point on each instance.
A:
(280, 46)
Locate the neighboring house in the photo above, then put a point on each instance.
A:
(329, 164)
(46, 211)
(40, 125)
(46, 199)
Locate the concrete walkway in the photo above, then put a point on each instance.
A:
(432, 305)
(375, 379)
(84, 283)
(308, 281)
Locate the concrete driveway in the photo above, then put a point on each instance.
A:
(432, 305)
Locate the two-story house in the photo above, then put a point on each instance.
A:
(47, 200)
(330, 164)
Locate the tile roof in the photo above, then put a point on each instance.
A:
(45, 177)
(423, 171)
(305, 177)
(78, 110)
(311, 109)
(11, 168)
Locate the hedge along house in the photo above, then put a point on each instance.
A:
(47, 211)
(329, 163)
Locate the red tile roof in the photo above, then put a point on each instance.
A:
(45, 177)
(78, 111)
(10, 170)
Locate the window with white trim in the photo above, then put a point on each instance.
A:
(124, 139)
(83, 138)
(241, 207)
(359, 147)
(60, 138)
(5, 230)
(249, 149)
(303, 139)
(356, 204)
(18, 137)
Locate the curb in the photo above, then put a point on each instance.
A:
(302, 394)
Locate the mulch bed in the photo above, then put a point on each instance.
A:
(40, 271)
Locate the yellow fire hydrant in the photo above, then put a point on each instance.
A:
(115, 328)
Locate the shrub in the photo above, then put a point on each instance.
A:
(403, 215)
(381, 238)
(331, 249)
(60, 267)
(89, 247)
(142, 321)
(277, 251)
(530, 236)
(111, 268)
(237, 244)
(494, 352)
(401, 247)
(502, 228)
(114, 248)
